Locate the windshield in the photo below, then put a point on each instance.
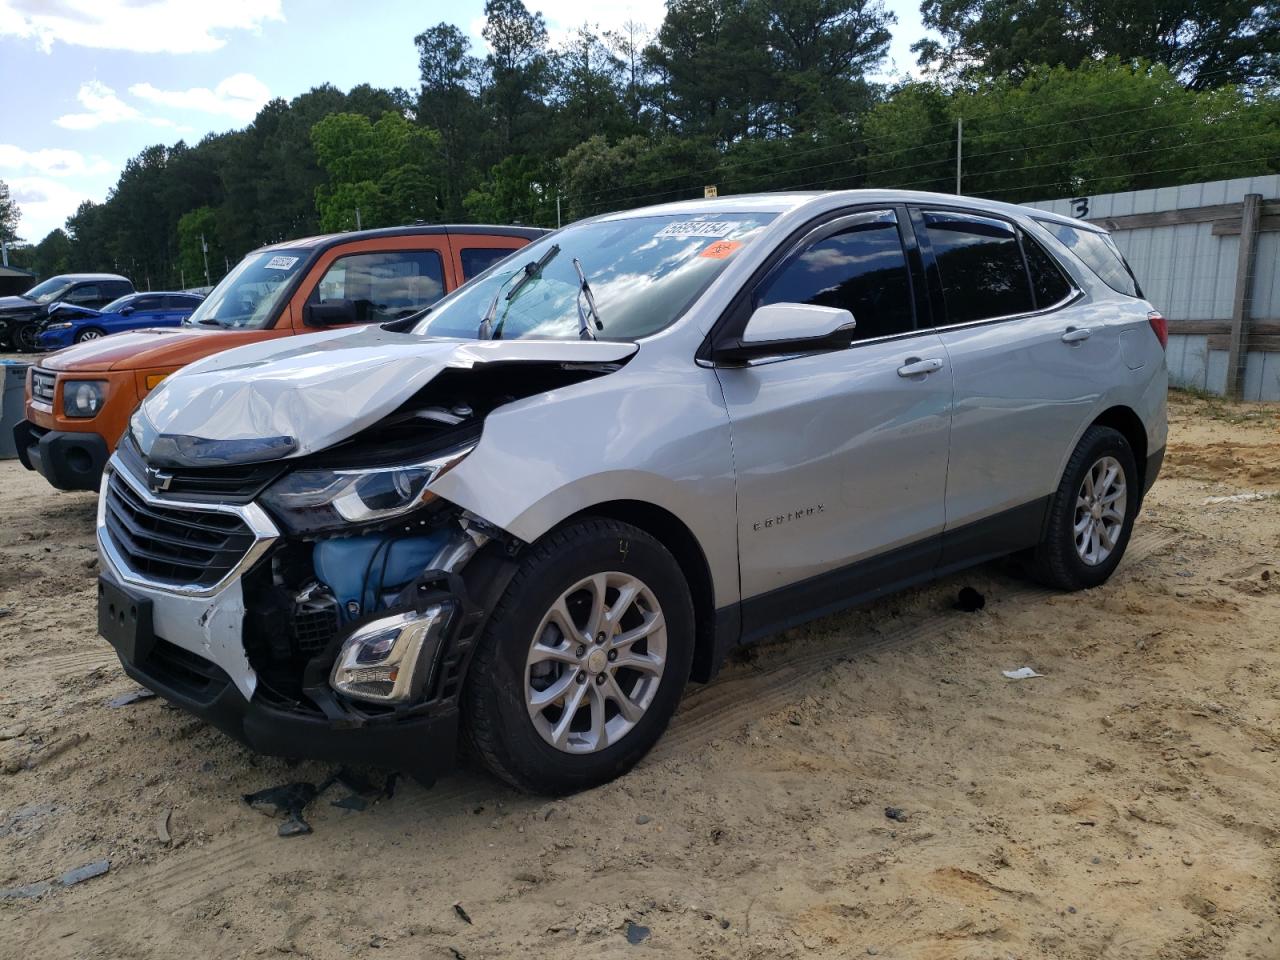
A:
(49, 290)
(248, 296)
(642, 271)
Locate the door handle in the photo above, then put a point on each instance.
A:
(915, 367)
(1076, 335)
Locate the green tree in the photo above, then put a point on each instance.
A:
(597, 177)
(1206, 43)
(196, 228)
(1100, 128)
(517, 190)
(448, 103)
(9, 214)
(388, 170)
(52, 255)
(519, 73)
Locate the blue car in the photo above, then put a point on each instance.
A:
(70, 324)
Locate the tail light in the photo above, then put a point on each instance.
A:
(1160, 327)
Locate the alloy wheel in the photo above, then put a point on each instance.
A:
(1100, 506)
(595, 662)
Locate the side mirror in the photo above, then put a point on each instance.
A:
(329, 313)
(779, 329)
(125, 311)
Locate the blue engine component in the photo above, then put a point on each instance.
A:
(366, 571)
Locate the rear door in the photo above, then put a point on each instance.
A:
(1027, 368)
(842, 456)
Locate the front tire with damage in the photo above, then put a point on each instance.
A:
(582, 661)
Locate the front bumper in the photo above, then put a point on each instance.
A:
(69, 461)
(55, 339)
(422, 746)
(187, 644)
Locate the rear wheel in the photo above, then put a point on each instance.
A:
(583, 660)
(89, 333)
(1092, 513)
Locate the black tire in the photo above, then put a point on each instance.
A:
(24, 338)
(89, 333)
(1057, 562)
(496, 718)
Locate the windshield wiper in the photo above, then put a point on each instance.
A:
(531, 269)
(584, 290)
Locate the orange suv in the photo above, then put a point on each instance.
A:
(79, 400)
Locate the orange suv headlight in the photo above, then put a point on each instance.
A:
(83, 398)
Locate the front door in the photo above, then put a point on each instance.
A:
(842, 456)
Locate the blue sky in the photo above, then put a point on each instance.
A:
(86, 84)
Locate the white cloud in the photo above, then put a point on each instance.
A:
(103, 106)
(240, 96)
(44, 204)
(53, 162)
(141, 26)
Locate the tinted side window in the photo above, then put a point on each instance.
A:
(384, 286)
(1099, 253)
(476, 260)
(181, 303)
(85, 293)
(147, 303)
(861, 269)
(1048, 282)
(981, 267)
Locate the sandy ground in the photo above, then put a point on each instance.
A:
(1124, 805)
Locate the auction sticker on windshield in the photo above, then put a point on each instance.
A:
(720, 249)
(281, 263)
(698, 228)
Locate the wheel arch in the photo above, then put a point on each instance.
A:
(675, 535)
(1128, 424)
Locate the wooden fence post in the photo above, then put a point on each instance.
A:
(1237, 354)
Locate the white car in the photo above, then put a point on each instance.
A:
(540, 508)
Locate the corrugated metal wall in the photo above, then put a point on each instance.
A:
(1190, 274)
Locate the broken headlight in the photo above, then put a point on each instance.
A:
(312, 500)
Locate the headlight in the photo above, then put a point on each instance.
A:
(83, 398)
(312, 500)
(58, 326)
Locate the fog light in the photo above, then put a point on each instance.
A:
(390, 660)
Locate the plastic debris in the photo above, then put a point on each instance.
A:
(1022, 673)
(28, 892)
(1241, 498)
(895, 813)
(162, 825)
(457, 908)
(87, 872)
(969, 600)
(133, 696)
(287, 802)
(636, 933)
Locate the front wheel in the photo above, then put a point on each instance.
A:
(24, 338)
(89, 333)
(583, 660)
(1091, 515)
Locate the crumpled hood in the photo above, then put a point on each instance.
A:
(320, 389)
(10, 305)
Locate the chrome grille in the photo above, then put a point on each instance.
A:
(174, 545)
(42, 383)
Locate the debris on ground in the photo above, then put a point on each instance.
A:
(636, 933)
(457, 908)
(286, 802)
(1241, 498)
(133, 696)
(896, 813)
(90, 870)
(969, 600)
(30, 891)
(1022, 673)
(162, 825)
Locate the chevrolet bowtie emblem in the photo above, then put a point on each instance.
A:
(158, 479)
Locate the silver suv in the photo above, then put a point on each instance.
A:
(531, 514)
